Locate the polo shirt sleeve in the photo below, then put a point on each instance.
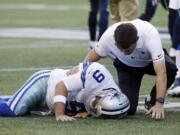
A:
(153, 43)
(105, 43)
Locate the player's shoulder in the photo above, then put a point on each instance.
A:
(58, 72)
(96, 65)
(91, 67)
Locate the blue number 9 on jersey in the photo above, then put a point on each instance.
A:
(98, 76)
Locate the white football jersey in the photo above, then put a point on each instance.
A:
(55, 77)
(148, 47)
(91, 77)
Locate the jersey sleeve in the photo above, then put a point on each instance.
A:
(73, 82)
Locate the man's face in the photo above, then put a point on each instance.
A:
(95, 101)
(128, 50)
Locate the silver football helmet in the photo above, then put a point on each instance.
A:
(111, 103)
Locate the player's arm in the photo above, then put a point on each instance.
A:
(101, 50)
(70, 83)
(61, 93)
(73, 70)
(157, 110)
(92, 56)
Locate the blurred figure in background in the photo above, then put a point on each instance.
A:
(95, 7)
(123, 10)
(175, 88)
(150, 9)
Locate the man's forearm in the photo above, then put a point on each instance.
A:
(161, 78)
(92, 56)
(161, 84)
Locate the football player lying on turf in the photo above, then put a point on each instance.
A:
(92, 85)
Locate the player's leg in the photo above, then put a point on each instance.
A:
(103, 20)
(171, 22)
(5, 98)
(113, 5)
(92, 19)
(29, 95)
(129, 82)
(150, 10)
(175, 88)
(3, 104)
(128, 9)
(5, 109)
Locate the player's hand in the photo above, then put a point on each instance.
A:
(73, 70)
(157, 111)
(64, 118)
(82, 115)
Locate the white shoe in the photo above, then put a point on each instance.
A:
(174, 90)
(172, 52)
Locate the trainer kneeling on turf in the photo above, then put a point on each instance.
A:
(137, 50)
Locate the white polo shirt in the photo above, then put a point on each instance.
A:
(148, 47)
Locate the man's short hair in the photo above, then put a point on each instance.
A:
(125, 35)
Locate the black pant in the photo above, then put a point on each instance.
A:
(176, 31)
(150, 10)
(130, 80)
(97, 6)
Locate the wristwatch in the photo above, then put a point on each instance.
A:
(160, 100)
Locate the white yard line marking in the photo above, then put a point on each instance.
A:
(44, 33)
(169, 106)
(173, 106)
(41, 6)
(142, 96)
(53, 33)
(31, 68)
(37, 46)
(175, 109)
